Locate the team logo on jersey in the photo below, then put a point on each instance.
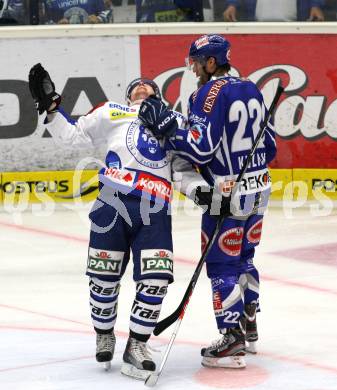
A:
(230, 241)
(254, 233)
(145, 147)
(195, 134)
(104, 262)
(157, 260)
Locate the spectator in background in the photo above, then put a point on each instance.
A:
(76, 11)
(13, 12)
(150, 11)
(266, 10)
(330, 10)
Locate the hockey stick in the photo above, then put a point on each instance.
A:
(179, 313)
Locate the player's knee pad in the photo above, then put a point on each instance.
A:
(147, 305)
(103, 302)
(227, 301)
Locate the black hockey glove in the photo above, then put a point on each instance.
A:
(43, 89)
(212, 202)
(156, 117)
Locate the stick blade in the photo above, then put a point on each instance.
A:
(152, 380)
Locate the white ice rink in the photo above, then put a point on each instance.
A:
(47, 342)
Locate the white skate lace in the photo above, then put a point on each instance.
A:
(220, 342)
(104, 342)
(139, 351)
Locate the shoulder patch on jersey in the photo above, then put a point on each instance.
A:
(212, 95)
(195, 134)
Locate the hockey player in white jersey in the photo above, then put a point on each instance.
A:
(130, 214)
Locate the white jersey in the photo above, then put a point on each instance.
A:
(136, 161)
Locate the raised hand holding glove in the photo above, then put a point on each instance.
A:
(42, 89)
(156, 117)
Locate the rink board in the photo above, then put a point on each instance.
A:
(82, 186)
(305, 118)
(51, 186)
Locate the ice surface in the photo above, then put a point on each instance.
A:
(47, 342)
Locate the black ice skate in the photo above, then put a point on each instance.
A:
(228, 352)
(250, 327)
(105, 347)
(137, 361)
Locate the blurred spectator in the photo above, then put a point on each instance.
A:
(149, 11)
(124, 11)
(267, 10)
(76, 11)
(330, 10)
(13, 12)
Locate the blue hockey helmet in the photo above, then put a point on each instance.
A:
(136, 82)
(207, 46)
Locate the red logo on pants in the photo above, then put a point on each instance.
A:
(254, 233)
(230, 241)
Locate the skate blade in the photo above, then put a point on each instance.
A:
(224, 362)
(151, 380)
(251, 347)
(106, 366)
(134, 372)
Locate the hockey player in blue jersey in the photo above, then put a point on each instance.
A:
(224, 117)
(130, 214)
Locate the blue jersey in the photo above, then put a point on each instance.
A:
(224, 118)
